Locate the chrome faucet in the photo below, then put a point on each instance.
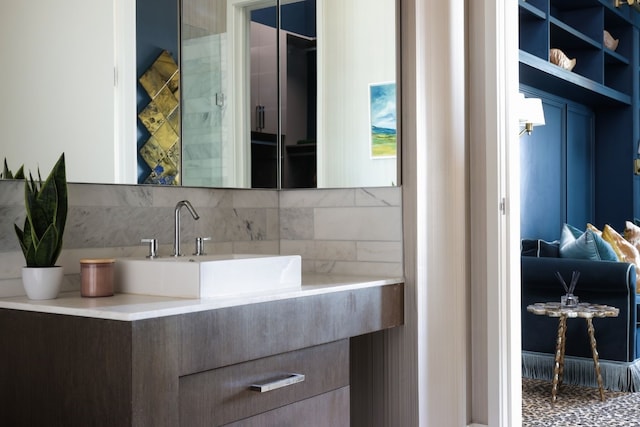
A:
(176, 241)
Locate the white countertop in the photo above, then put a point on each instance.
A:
(129, 307)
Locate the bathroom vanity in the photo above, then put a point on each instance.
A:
(131, 360)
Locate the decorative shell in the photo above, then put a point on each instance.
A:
(609, 41)
(558, 57)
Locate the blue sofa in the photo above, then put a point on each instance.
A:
(601, 282)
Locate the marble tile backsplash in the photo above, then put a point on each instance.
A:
(340, 231)
(344, 231)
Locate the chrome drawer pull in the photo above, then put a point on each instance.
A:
(285, 381)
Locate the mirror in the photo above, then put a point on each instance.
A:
(53, 110)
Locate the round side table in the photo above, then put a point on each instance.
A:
(583, 310)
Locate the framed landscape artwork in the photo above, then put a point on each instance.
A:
(382, 114)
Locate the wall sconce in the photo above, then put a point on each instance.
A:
(633, 3)
(531, 114)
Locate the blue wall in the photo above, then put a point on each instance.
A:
(615, 150)
(557, 170)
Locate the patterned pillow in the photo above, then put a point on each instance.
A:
(625, 251)
(594, 229)
(575, 243)
(632, 234)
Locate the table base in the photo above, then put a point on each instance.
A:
(558, 368)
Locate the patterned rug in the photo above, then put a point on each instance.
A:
(577, 406)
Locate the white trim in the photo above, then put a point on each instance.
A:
(432, 347)
(511, 365)
(125, 114)
(239, 99)
(494, 170)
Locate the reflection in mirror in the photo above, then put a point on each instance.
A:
(286, 86)
(233, 120)
(158, 93)
(58, 87)
(354, 105)
(85, 117)
(356, 93)
(207, 159)
(328, 72)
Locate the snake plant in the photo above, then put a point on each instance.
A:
(7, 174)
(46, 206)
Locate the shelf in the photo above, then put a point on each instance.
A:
(585, 20)
(528, 7)
(301, 150)
(541, 74)
(613, 57)
(567, 37)
(623, 13)
(266, 143)
(574, 4)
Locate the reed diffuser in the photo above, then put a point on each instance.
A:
(569, 299)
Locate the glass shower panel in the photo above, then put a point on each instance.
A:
(205, 161)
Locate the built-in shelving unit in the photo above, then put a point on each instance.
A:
(604, 80)
(576, 27)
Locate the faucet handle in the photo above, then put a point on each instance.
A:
(153, 247)
(200, 245)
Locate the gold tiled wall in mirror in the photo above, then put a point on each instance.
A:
(161, 117)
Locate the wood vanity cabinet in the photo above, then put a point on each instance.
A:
(221, 396)
(191, 369)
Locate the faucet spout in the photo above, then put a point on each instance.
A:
(194, 214)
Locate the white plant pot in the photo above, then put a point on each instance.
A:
(42, 282)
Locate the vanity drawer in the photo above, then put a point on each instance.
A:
(224, 395)
(327, 410)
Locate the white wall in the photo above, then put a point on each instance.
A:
(344, 158)
(57, 79)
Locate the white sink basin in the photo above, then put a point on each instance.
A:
(208, 276)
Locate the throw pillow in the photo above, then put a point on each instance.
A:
(575, 243)
(540, 248)
(626, 251)
(632, 234)
(594, 229)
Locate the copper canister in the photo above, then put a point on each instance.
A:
(96, 277)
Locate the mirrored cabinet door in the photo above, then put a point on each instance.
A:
(317, 125)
